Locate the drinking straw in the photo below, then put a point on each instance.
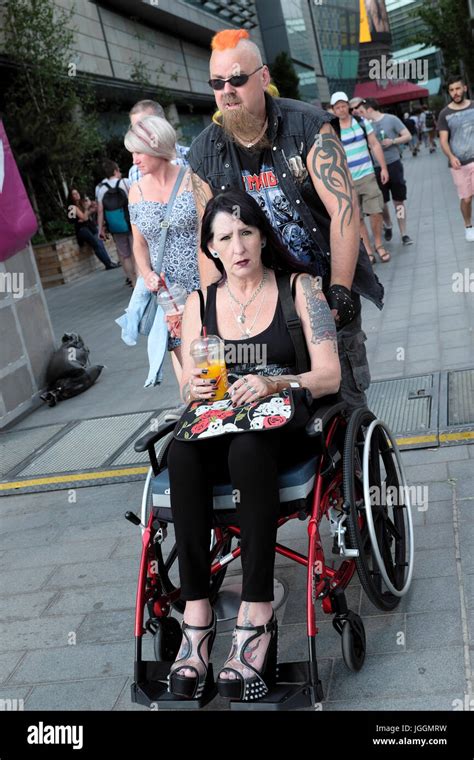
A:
(168, 291)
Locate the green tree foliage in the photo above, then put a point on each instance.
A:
(285, 77)
(448, 27)
(49, 116)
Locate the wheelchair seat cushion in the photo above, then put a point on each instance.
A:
(295, 484)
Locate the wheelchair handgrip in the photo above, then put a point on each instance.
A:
(150, 438)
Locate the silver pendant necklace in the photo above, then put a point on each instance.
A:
(247, 331)
(240, 318)
(243, 306)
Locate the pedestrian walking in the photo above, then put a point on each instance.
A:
(112, 210)
(152, 143)
(456, 137)
(428, 128)
(391, 132)
(359, 141)
(151, 108)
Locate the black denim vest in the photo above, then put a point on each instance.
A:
(292, 128)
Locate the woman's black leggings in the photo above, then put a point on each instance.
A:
(250, 462)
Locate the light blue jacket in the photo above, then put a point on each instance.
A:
(158, 337)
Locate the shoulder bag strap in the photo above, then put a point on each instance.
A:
(165, 223)
(293, 322)
(202, 308)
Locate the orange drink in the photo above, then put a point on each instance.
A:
(216, 370)
(208, 353)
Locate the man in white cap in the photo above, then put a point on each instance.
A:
(358, 139)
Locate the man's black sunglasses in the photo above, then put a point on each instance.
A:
(236, 81)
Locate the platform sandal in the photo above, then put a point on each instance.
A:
(385, 256)
(259, 684)
(192, 687)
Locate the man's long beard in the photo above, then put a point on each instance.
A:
(245, 125)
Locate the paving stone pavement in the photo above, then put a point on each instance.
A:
(69, 570)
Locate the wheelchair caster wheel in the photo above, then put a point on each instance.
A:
(166, 639)
(353, 642)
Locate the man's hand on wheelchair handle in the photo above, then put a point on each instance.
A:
(341, 304)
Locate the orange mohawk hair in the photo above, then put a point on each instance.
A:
(228, 38)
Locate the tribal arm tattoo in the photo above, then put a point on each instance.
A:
(329, 166)
(321, 320)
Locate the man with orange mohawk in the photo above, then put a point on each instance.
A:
(286, 154)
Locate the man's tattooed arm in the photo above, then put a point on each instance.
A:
(327, 166)
(330, 167)
(321, 320)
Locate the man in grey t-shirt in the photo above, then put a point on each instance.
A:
(391, 132)
(456, 136)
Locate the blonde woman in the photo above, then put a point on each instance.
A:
(152, 143)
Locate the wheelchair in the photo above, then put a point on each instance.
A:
(353, 477)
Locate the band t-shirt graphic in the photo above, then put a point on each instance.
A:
(260, 181)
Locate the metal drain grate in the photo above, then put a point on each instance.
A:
(461, 397)
(408, 405)
(19, 445)
(129, 456)
(89, 445)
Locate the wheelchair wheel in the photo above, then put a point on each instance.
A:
(166, 639)
(167, 555)
(379, 520)
(353, 643)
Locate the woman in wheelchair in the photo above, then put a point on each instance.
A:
(245, 309)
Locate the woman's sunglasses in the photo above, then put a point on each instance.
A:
(236, 81)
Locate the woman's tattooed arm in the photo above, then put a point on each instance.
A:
(321, 320)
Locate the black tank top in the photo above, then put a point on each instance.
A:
(270, 352)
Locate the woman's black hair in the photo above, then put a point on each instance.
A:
(241, 205)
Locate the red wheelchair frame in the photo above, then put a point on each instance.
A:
(338, 485)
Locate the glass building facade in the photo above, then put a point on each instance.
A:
(303, 48)
(240, 13)
(337, 25)
(403, 26)
(320, 36)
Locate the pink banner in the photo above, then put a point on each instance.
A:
(17, 219)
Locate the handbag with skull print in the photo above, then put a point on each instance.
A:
(203, 420)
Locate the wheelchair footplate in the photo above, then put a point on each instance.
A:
(293, 690)
(151, 688)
